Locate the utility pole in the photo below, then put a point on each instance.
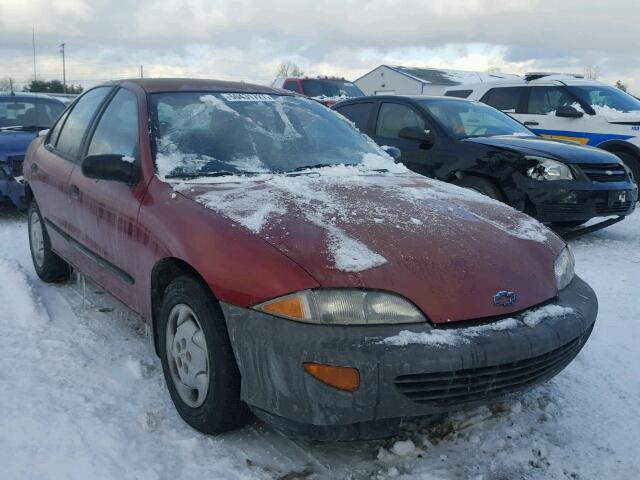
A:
(64, 70)
(141, 72)
(33, 41)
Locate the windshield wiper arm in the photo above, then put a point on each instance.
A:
(311, 167)
(23, 127)
(221, 173)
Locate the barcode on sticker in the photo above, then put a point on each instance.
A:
(247, 97)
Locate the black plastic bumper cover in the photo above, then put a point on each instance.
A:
(396, 382)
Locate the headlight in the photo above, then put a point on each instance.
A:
(344, 307)
(564, 268)
(547, 169)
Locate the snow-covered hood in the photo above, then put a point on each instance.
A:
(447, 249)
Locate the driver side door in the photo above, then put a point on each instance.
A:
(105, 212)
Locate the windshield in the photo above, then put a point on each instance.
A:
(200, 134)
(602, 97)
(36, 114)
(470, 119)
(330, 88)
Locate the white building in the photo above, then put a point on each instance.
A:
(397, 80)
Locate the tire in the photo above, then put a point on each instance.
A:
(481, 185)
(575, 223)
(49, 266)
(190, 319)
(630, 161)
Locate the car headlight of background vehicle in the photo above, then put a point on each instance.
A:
(564, 268)
(344, 307)
(547, 169)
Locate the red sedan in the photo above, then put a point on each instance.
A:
(286, 263)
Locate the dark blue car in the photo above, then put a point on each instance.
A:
(22, 116)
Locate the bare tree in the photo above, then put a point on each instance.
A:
(621, 85)
(289, 69)
(591, 73)
(7, 84)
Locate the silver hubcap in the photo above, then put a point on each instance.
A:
(37, 239)
(187, 355)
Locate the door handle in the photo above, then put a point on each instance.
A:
(34, 167)
(74, 191)
(531, 122)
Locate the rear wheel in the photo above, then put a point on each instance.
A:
(197, 358)
(481, 185)
(49, 266)
(631, 161)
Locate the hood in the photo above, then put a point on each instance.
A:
(446, 249)
(15, 143)
(566, 152)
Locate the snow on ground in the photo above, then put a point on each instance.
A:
(83, 396)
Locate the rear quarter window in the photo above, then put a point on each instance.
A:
(506, 99)
(358, 113)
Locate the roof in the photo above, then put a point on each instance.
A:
(447, 77)
(553, 79)
(28, 95)
(156, 85)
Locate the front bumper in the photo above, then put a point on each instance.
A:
(396, 382)
(570, 201)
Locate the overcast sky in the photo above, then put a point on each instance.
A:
(246, 39)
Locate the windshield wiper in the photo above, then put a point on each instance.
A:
(23, 127)
(221, 173)
(311, 167)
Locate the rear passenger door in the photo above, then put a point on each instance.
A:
(540, 114)
(105, 212)
(52, 168)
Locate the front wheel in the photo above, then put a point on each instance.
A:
(480, 185)
(49, 266)
(197, 358)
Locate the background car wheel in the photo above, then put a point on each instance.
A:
(49, 266)
(197, 359)
(632, 162)
(481, 185)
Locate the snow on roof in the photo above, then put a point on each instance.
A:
(450, 77)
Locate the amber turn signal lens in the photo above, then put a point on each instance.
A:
(342, 378)
(291, 307)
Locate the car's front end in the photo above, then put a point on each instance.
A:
(340, 381)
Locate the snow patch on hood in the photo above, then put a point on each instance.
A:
(452, 337)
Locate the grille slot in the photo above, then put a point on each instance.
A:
(618, 207)
(609, 172)
(460, 386)
(15, 164)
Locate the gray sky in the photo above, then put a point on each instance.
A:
(246, 39)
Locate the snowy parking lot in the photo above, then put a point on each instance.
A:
(83, 396)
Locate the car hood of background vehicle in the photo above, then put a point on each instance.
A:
(446, 249)
(567, 152)
(15, 143)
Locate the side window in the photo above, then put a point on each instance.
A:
(458, 93)
(358, 113)
(55, 132)
(393, 117)
(544, 100)
(78, 119)
(291, 85)
(505, 98)
(117, 130)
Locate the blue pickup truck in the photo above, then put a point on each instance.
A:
(22, 116)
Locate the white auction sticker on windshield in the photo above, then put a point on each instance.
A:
(247, 97)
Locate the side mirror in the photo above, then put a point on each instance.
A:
(393, 152)
(109, 166)
(567, 111)
(414, 133)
